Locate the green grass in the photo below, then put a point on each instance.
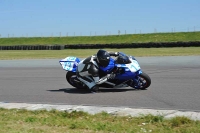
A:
(130, 38)
(52, 54)
(23, 121)
(155, 37)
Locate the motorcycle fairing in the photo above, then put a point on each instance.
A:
(69, 63)
(133, 66)
(128, 71)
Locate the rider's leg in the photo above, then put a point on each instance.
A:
(89, 82)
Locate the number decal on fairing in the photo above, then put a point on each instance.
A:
(69, 63)
(69, 66)
(70, 58)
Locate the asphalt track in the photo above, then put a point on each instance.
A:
(175, 85)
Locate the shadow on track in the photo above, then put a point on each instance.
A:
(71, 90)
(79, 91)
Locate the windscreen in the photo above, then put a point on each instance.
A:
(122, 59)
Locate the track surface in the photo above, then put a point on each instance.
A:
(175, 85)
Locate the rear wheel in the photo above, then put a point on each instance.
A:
(74, 81)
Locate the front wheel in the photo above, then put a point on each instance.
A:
(74, 81)
(144, 81)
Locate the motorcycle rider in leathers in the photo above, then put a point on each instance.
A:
(88, 69)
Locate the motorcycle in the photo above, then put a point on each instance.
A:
(127, 73)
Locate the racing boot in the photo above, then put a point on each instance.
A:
(95, 89)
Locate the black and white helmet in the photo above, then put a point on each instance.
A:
(103, 58)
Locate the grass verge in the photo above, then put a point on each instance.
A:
(51, 54)
(130, 38)
(41, 121)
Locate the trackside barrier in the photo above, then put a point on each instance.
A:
(99, 46)
(34, 47)
(134, 45)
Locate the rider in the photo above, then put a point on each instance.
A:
(89, 69)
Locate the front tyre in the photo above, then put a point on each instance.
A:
(144, 81)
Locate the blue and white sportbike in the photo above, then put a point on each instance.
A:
(126, 69)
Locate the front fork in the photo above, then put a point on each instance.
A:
(136, 82)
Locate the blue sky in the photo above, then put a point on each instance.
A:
(100, 17)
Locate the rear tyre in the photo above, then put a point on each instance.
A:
(74, 81)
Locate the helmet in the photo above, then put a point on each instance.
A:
(103, 58)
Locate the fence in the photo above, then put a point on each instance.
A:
(98, 33)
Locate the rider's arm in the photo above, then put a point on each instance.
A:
(103, 79)
(100, 81)
(94, 71)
